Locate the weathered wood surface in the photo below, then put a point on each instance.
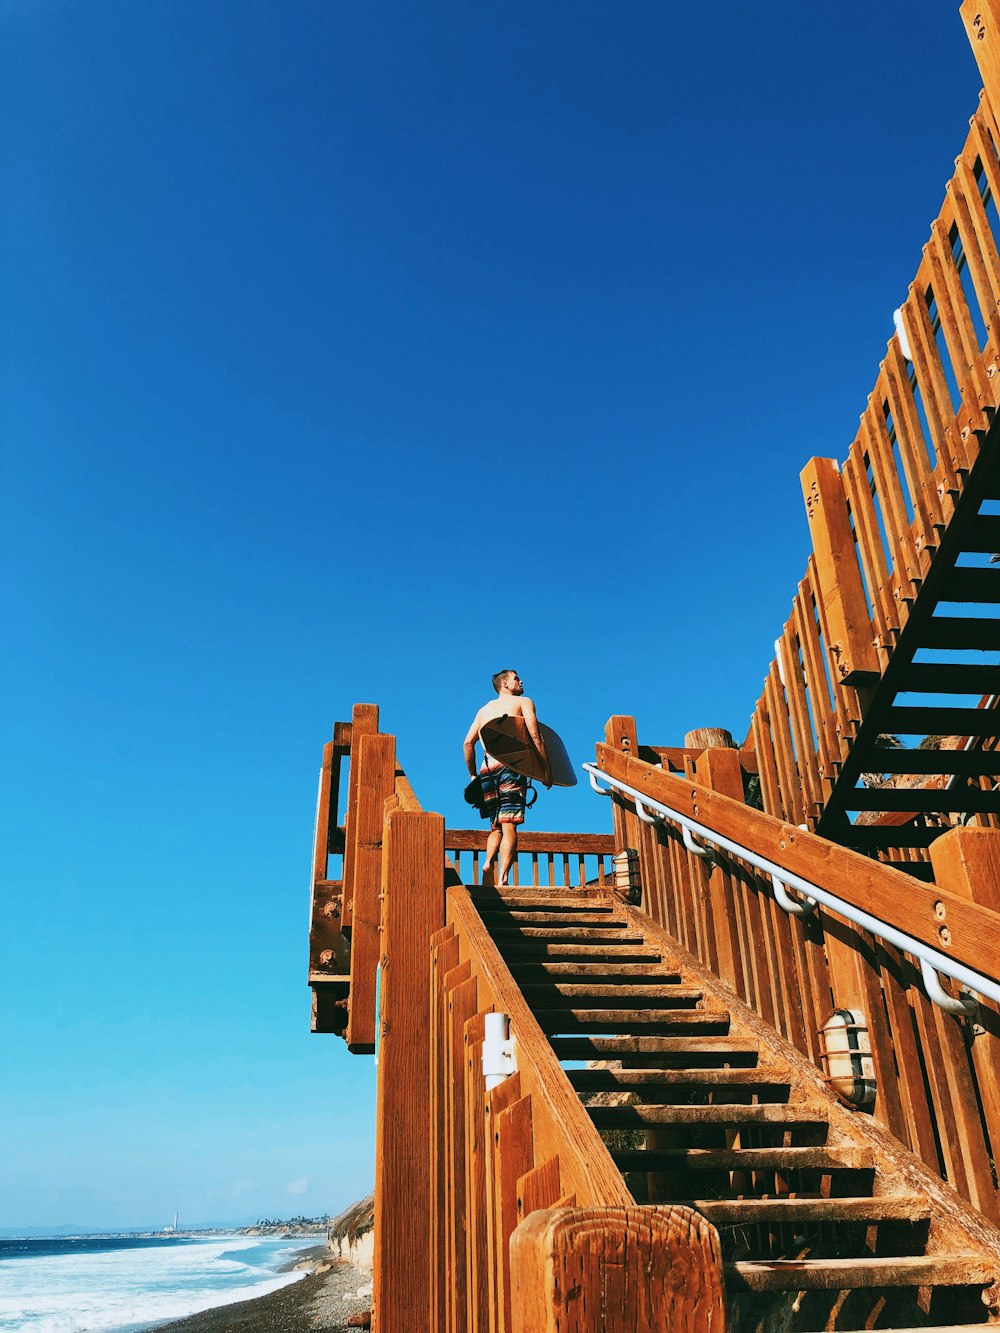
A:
(413, 910)
(936, 1075)
(373, 771)
(931, 914)
(364, 722)
(625, 1270)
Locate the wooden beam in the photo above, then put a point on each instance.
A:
(624, 1270)
(838, 574)
(373, 768)
(413, 909)
(589, 844)
(939, 918)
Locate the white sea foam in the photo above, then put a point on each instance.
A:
(123, 1291)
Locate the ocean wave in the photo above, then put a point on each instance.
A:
(127, 1290)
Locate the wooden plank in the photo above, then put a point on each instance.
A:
(635, 1270)
(321, 837)
(461, 1008)
(905, 720)
(982, 24)
(413, 909)
(820, 701)
(538, 1188)
(373, 767)
(967, 863)
(929, 375)
(982, 533)
(798, 711)
(444, 957)
(589, 844)
(871, 552)
(914, 449)
(905, 563)
(515, 1150)
(959, 1270)
(497, 1101)
(895, 976)
(941, 919)
(477, 1241)
(364, 722)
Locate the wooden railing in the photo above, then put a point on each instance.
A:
(484, 1202)
(876, 524)
(937, 1076)
(529, 1145)
(544, 860)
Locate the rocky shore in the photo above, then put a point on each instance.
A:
(321, 1302)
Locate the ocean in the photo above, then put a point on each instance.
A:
(96, 1284)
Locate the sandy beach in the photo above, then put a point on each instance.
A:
(317, 1303)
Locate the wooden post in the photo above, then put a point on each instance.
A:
(982, 23)
(374, 760)
(619, 732)
(621, 1270)
(364, 722)
(966, 862)
(838, 574)
(412, 910)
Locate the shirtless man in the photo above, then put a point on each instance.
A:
(504, 789)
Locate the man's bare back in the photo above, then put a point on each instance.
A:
(511, 701)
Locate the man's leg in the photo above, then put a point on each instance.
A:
(492, 847)
(508, 850)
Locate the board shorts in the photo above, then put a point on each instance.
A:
(504, 794)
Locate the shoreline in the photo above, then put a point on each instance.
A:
(318, 1302)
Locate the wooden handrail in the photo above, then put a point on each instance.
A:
(572, 844)
(944, 920)
(936, 1076)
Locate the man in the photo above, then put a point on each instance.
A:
(505, 790)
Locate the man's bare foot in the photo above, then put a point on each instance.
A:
(487, 880)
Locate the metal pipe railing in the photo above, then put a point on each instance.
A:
(932, 960)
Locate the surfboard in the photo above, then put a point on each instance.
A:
(506, 739)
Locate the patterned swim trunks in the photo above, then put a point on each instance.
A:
(504, 793)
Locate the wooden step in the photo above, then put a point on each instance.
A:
(705, 1080)
(517, 953)
(961, 632)
(611, 1021)
(667, 995)
(963, 763)
(948, 678)
(906, 720)
(782, 1114)
(938, 1270)
(873, 837)
(965, 583)
(722, 1049)
(567, 934)
(743, 1159)
(746, 1212)
(651, 974)
(982, 533)
(923, 800)
(537, 898)
(599, 920)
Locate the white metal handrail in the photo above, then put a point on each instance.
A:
(932, 960)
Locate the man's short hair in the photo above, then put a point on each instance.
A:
(498, 678)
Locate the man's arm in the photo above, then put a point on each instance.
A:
(537, 739)
(470, 746)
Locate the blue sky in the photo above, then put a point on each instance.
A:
(356, 351)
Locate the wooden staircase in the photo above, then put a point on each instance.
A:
(941, 695)
(826, 1221)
